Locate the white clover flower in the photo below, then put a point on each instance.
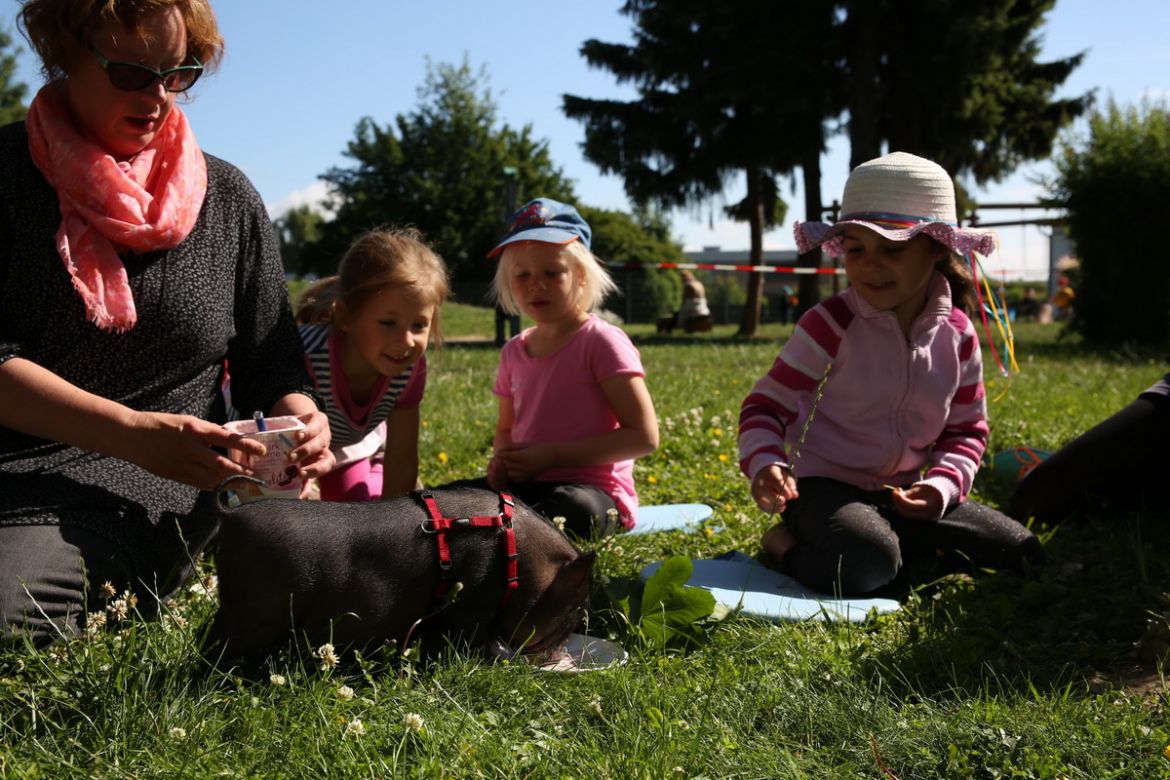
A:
(118, 609)
(355, 727)
(413, 722)
(277, 679)
(130, 599)
(178, 734)
(595, 704)
(559, 522)
(611, 514)
(94, 622)
(107, 590)
(345, 692)
(327, 656)
(177, 619)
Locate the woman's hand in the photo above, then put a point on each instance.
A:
(179, 447)
(773, 487)
(312, 453)
(917, 502)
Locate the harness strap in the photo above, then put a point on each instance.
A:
(439, 526)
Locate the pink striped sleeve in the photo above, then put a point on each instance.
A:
(774, 400)
(959, 448)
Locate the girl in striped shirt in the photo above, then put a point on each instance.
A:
(877, 400)
(365, 333)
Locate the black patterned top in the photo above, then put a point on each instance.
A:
(220, 295)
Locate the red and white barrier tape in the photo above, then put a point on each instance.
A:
(782, 269)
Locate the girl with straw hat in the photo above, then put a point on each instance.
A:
(892, 370)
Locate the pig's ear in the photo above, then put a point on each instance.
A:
(576, 573)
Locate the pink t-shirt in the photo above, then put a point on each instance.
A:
(558, 397)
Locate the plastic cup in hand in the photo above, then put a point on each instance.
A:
(279, 474)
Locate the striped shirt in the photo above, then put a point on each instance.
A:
(895, 409)
(357, 430)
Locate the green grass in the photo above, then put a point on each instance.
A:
(989, 676)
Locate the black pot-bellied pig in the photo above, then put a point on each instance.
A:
(360, 573)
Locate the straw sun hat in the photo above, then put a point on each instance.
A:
(898, 196)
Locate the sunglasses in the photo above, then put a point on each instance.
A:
(132, 77)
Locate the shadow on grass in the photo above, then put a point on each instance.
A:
(1075, 619)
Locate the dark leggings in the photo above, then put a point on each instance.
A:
(587, 509)
(852, 541)
(1121, 462)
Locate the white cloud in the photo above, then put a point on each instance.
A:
(315, 195)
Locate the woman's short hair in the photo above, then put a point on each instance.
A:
(597, 283)
(58, 29)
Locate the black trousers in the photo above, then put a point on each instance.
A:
(1119, 462)
(852, 541)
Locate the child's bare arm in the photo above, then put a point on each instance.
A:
(400, 473)
(497, 473)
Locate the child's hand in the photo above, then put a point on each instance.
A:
(917, 502)
(497, 475)
(773, 487)
(523, 461)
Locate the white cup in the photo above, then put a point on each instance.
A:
(280, 475)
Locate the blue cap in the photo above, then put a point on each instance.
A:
(547, 220)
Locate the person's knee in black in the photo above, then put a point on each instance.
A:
(587, 510)
(856, 552)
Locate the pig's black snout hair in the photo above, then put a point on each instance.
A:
(221, 489)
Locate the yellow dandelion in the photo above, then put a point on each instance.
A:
(723, 457)
(651, 479)
(716, 431)
(1166, 751)
(443, 457)
(709, 531)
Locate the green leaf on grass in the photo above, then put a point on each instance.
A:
(671, 610)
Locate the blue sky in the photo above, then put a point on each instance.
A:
(300, 73)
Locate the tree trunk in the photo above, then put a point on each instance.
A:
(810, 284)
(864, 25)
(750, 322)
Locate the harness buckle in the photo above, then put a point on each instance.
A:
(461, 521)
(427, 526)
(445, 565)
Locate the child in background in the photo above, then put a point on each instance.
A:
(574, 410)
(365, 333)
(877, 386)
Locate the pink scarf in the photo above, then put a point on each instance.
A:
(143, 204)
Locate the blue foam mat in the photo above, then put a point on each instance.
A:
(670, 517)
(739, 581)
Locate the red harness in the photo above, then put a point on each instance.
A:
(439, 525)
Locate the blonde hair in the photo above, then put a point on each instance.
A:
(376, 260)
(585, 265)
(58, 29)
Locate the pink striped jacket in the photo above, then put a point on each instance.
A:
(895, 410)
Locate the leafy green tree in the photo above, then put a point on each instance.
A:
(12, 92)
(645, 293)
(712, 104)
(299, 230)
(955, 81)
(441, 169)
(1116, 186)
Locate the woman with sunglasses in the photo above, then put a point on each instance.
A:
(132, 268)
